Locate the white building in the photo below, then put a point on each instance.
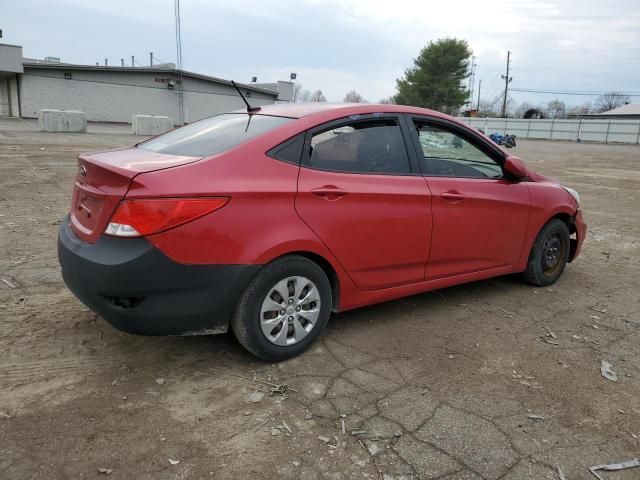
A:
(10, 69)
(115, 93)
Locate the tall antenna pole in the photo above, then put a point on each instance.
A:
(472, 80)
(507, 79)
(479, 87)
(176, 6)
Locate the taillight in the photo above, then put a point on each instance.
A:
(146, 216)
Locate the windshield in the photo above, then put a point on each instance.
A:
(213, 135)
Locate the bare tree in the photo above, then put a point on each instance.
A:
(297, 87)
(556, 109)
(388, 101)
(611, 100)
(317, 96)
(489, 108)
(493, 107)
(511, 106)
(522, 109)
(304, 96)
(354, 97)
(584, 109)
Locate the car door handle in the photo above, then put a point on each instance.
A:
(329, 192)
(452, 196)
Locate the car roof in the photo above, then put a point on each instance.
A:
(299, 110)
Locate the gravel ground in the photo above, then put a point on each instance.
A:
(439, 385)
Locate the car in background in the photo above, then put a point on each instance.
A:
(266, 221)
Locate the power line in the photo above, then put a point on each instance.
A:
(573, 64)
(555, 92)
(156, 58)
(586, 50)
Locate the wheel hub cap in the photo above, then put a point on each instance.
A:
(290, 310)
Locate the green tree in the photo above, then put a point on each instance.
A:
(389, 100)
(436, 79)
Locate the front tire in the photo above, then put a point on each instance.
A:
(284, 308)
(549, 254)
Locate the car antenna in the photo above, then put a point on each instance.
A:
(250, 109)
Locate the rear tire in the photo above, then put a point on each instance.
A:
(284, 308)
(549, 254)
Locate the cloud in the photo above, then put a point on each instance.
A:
(339, 45)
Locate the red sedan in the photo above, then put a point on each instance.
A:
(267, 221)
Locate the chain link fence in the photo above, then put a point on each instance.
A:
(577, 130)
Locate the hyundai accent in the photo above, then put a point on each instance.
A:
(265, 221)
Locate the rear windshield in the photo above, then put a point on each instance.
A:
(213, 135)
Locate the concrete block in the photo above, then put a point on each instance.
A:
(150, 125)
(62, 121)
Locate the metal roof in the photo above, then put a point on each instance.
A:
(629, 109)
(299, 110)
(98, 68)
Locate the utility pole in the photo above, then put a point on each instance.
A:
(176, 6)
(132, 61)
(507, 79)
(122, 61)
(151, 59)
(479, 87)
(106, 61)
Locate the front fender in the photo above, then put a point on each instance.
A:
(548, 200)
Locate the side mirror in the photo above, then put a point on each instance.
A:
(515, 167)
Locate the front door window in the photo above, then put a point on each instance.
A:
(447, 154)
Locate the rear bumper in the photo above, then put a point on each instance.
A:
(138, 289)
(581, 233)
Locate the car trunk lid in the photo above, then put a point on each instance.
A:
(103, 179)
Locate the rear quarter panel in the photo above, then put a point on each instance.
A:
(259, 215)
(258, 224)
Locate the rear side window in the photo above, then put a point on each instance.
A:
(375, 146)
(213, 135)
(289, 151)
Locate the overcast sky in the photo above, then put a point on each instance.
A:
(339, 45)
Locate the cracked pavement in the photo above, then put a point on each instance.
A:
(435, 386)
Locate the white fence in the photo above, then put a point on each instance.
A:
(587, 130)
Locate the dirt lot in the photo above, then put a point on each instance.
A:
(438, 385)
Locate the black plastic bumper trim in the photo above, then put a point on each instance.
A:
(169, 298)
